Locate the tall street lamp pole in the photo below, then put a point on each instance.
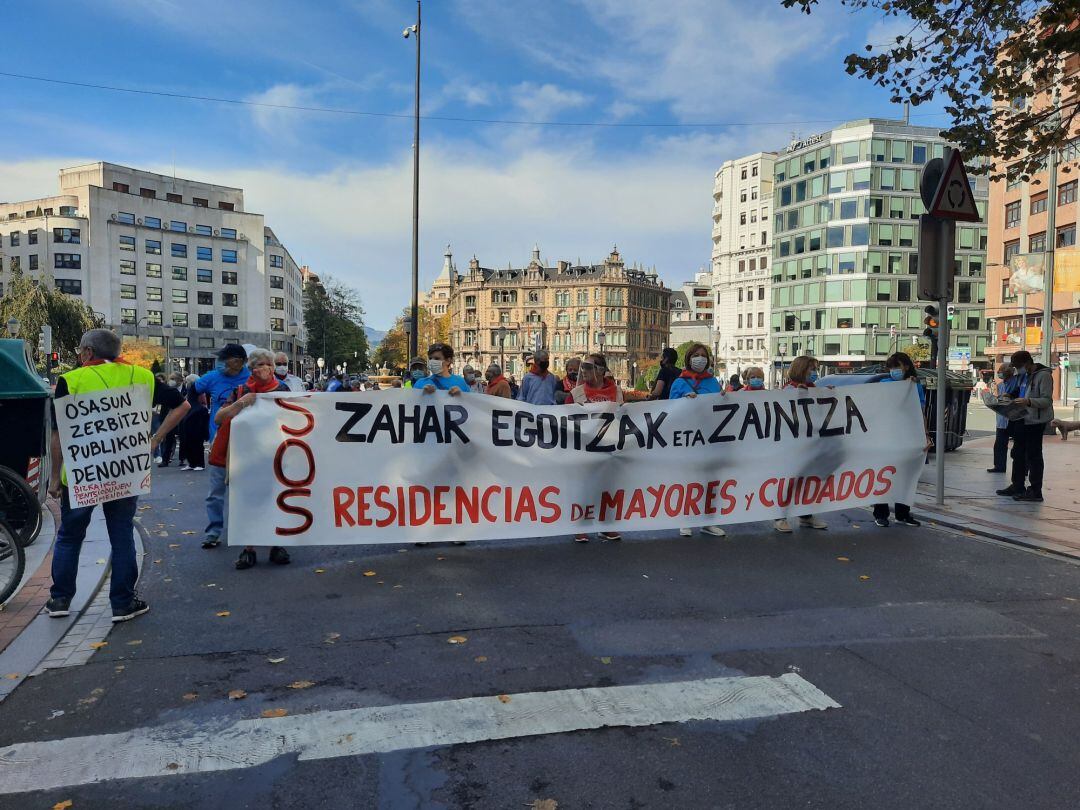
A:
(414, 336)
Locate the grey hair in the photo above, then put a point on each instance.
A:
(191, 379)
(256, 356)
(497, 367)
(104, 343)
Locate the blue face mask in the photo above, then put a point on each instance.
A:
(812, 377)
(896, 373)
(756, 382)
(417, 374)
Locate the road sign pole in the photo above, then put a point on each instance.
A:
(939, 402)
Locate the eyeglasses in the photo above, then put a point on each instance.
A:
(588, 365)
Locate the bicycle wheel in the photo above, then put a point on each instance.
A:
(12, 562)
(19, 506)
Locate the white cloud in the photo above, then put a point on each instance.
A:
(618, 110)
(541, 102)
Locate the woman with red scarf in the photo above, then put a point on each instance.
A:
(595, 386)
(261, 381)
(697, 378)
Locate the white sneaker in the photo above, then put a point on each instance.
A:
(185, 466)
(782, 526)
(715, 531)
(813, 522)
(196, 469)
(686, 532)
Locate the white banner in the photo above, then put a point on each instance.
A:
(393, 466)
(105, 437)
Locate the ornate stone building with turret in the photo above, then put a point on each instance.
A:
(569, 309)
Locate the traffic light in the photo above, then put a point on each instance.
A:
(45, 340)
(930, 320)
(54, 359)
(950, 311)
(1063, 359)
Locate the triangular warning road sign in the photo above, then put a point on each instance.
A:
(953, 198)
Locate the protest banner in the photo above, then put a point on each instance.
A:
(399, 466)
(393, 466)
(105, 436)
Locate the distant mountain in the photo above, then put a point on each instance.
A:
(374, 336)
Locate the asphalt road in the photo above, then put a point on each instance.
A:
(956, 664)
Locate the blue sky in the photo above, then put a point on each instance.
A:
(336, 188)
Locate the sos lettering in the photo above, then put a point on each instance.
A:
(298, 487)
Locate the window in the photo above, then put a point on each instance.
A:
(1011, 249)
(153, 293)
(206, 320)
(33, 261)
(149, 193)
(121, 216)
(753, 170)
(1012, 214)
(127, 291)
(225, 206)
(174, 197)
(127, 243)
(67, 236)
(204, 254)
(1038, 203)
(204, 275)
(177, 225)
(743, 174)
(205, 299)
(179, 296)
(151, 222)
(233, 322)
(1067, 193)
(71, 286)
(1037, 242)
(760, 293)
(179, 273)
(918, 153)
(70, 261)
(204, 230)
(206, 343)
(228, 233)
(179, 319)
(200, 202)
(127, 316)
(277, 261)
(228, 256)
(742, 218)
(178, 250)
(278, 325)
(182, 341)
(1066, 236)
(32, 237)
(277, 283)
(153, 247)
(153, 270)
(229, 300)
(121, 187)
(277, 303)
(127, 267)
(228, 277)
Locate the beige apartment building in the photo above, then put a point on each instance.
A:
(569, 309)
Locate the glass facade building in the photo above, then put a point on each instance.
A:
(845, 248)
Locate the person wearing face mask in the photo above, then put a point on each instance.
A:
(755, 379)
(475, 381)
(262, 380)
(695, 380)
(417, 370)
(802, 374)
(594, 385)
(439, 378)
(1007, 385)
(1035, 391)
(281, 371)
(170, 396)
(901, 369)
(497, 385)
(569, 382)
(539, 385)
(666, 375)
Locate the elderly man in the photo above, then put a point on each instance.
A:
(497, 384)
(475, 381)
(100, 368)
(281, 371)
(538, 386)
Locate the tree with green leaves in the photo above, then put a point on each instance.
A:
(36, 302)
(334, 318)
(392, 353)
(988, 59)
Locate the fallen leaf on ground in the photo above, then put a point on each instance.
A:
(13, 676)
(100, 562)
(157, 562)
(237, 694)
(301, 684)
(457, 639)
(273, 712)
(167, 579)
(144, 508)
(605, 660)
(187, 532)
(480, 659)
(210, 585)
(191, 696)
(863, 577)
(276, 660)
(162, 534)
(369, 573)
(543, 804)
(854, 525)
(120, 668)
(174, 545)
(135, 642)
(173, 766)
(398, 586)
(332, 637)
(440, 558)
(97, 645)
(64, 805)
(223, 613)
(673, 741)
(320, 570)
(844, 559)
(504, 698)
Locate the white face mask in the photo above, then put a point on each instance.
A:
(173, 383)
(281, 371)
(434, 367)
(699, 363)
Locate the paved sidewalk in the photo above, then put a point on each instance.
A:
(971, 505)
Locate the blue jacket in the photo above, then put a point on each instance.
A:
(442, 383)
(539, 390)
(1011, 387)
(686, 385)
(219, 387)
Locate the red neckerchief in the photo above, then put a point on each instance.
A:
(694, 375)
(496, 380)
(568, 384)
(256, 387)
(607, 393)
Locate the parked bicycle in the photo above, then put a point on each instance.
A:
(12, 562)
(19, 506)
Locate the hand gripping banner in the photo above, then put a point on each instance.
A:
(393, 466)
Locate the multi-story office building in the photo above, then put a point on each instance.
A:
(173, 261)
(741, 260)
(845, 247)
(499, 315)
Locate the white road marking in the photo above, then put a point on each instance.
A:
(185, 748)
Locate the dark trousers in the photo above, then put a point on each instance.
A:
(1027, 455)
(168, 446)
(881, 511)
(1001, 449)
(119, 520)
(191, 452)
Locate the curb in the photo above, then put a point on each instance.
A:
(1000, 534)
